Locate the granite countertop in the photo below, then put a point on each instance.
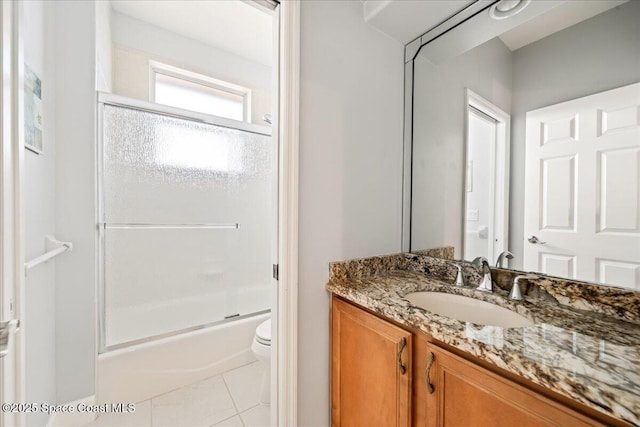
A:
(584, 344)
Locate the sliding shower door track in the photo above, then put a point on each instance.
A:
(113, 226)
(180, 332)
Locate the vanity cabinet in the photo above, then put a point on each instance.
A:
(371, 370)
(387, 375)
(461, 393)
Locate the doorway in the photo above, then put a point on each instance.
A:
(285, 34)
(486, 196)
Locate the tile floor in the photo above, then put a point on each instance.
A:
(227, 400)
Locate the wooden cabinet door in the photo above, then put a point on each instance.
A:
(465, 394)
(370, 370)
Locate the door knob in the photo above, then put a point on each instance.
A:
(534, 240)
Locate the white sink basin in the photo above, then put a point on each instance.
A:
(467, 309)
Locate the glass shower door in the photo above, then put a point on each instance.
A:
(187, 223)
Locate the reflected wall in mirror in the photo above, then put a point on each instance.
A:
(562, 78)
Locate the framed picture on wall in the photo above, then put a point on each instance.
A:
(32, 111)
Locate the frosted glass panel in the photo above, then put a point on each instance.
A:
(159, 281)
(166, 184)
(160, 169)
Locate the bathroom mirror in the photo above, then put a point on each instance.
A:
(522, 134)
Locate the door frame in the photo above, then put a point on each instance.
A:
(500, 159)
(11, 205)
(286, 302)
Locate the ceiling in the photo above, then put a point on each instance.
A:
(405, 20)
(230, 25)
(567, 14)
(408, 20)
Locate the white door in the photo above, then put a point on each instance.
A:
(487, 179)
(480, 185)
(582, 188)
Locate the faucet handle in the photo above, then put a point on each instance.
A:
(516, 292)
(459, 276)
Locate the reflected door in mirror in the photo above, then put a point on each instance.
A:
(479, 185)
(486, 179)
(582, 188)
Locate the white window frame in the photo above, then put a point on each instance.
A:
(156, 68)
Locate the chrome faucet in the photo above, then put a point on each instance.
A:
(516, 292)
(501, 257)
(487, 283)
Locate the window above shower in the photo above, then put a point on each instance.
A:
(185, 89)
(170, 53)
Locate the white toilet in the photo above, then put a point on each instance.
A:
(261, 347)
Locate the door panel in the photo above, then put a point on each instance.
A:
(620, 119)
(558, 193)
(369, 385)
(582, 188)
(558, 264)
(561, 130)
(619, 184)
(465, 394)
(623, 273)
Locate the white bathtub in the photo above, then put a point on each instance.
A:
(142, 371)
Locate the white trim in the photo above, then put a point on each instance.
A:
(288, 143)
(407, 162)
(18, 123)
(11, 204)
(111, 99)
(500, 156)
(156, 67)
(275, 247)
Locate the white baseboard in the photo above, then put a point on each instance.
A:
(75, 418)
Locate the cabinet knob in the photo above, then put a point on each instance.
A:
(403, 344)
(430, 386)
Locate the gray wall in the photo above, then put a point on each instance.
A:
(350, 170)
(39, 193)
(439, 137)
(75, 50)
(598, 54)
